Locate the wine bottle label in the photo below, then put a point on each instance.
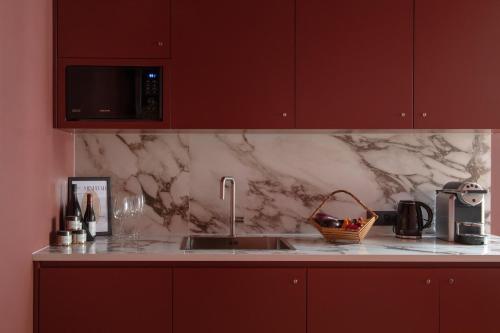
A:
(92, 228)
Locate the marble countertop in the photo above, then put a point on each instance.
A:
(379, 246)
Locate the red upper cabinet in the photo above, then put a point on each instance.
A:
(233, 63)
(113, 28)
(354, 63)
(457, 66)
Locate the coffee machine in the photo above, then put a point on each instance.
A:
(460, 213)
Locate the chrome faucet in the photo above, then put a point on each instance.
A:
(232, 209)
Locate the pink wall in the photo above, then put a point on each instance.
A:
(34, 159)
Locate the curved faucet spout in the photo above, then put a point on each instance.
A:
(232, 208)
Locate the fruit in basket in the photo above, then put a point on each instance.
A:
(347, 222)
(327, 221)
(352, 225)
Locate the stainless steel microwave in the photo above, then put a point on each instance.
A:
(113, 92)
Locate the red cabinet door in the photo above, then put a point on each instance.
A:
(354, 64)
(457, 67)
(125, 300)
(233, 63)
(243, 300)
(372, 300)
(113, 28)
(469, 300)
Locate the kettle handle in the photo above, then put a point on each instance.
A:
(430, 215)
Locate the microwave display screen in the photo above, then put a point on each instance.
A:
(114, 92)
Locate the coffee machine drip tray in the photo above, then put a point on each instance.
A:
(471, 233)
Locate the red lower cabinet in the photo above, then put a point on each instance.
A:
(372, 300)
(82, 299)
(124, 300)
(243, 300)
(469, 300)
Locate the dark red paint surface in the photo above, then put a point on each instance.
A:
(243, 300)
(354, 63)
(222, 297)
(469, 301)
(301, 64)
(372, 300)
(125, 300)
(457, 67)
(233, 63)
(114, 28)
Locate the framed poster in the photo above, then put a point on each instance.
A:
(100, 188)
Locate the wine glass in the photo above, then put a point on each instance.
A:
(121, 209)
(137, 207)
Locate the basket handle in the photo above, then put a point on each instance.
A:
(331, 195)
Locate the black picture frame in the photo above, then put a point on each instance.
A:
(80, 181)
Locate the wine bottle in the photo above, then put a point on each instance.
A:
(72, 206)
(89, 220)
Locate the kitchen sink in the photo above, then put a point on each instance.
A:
(235, 243)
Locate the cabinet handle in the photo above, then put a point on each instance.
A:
(403, 114)
(284, 114)
(160, 43)
(451, 281)
(428, 282)
(295, 281)
(424, 115)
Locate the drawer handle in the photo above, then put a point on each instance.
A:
(295, 281)
(451, 281)
(428, 282)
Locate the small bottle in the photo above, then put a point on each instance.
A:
(72, 206)
(89, 220)
(79, 237)
(63, 238)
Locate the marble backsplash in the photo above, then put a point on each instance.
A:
(280, 177)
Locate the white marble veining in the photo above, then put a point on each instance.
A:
(156, 165)
(379, 246)
(281, 177)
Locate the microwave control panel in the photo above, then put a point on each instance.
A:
(151, 92)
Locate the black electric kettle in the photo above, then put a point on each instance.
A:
(410, 222)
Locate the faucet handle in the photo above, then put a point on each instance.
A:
(239, 219)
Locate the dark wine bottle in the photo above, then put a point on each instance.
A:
(89, 220)
(72, 206)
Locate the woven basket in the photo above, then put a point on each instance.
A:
(333, 234)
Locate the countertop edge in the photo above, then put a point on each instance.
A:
(245, 257)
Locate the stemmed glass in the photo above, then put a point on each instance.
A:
(121, 209)
(137, 204)
(137, 207)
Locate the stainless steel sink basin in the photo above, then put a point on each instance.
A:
(235, 243)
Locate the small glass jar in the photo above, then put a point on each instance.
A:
(79, 237)
(73, 223)
(63, 238)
